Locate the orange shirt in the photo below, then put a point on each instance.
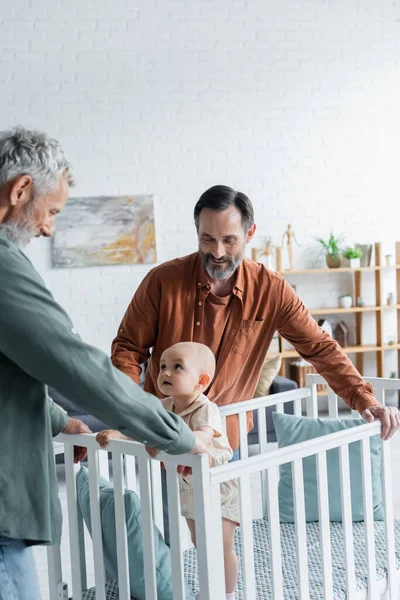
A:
(172, 305)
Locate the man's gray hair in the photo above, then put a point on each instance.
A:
(33, 153)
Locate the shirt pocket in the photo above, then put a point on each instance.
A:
(247, 336)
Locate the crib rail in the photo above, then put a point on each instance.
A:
(132, 468)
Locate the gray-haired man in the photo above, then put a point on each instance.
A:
(39, 346)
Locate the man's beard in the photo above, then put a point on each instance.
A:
(227, 268)
(20, 232)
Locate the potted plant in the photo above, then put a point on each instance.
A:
(353, 255)
(345, 301)
(331, 248)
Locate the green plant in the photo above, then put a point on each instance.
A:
(352, 253)
(332, 246)
(345, 296)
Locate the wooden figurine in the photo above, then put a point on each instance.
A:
(342, 334)
(288, 239)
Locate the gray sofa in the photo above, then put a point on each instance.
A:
(280, 384)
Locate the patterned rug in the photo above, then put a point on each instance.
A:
(289, 564)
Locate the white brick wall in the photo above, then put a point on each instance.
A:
(294, 102)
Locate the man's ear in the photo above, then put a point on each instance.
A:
(21, 190)
(250, 233)
(204, 380)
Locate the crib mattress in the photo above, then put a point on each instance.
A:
(289, 562)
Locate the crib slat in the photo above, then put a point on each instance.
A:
(369, 518)
(347, 519)
(297, 407)
(75, 528)
(130, 473)
(53, 552)
(223, 420)
(218, 546)
(262, 440)
(279, 408)
(174, 509)
(156, 487)
(244, 447)
(98, 557)
(103, 464)
(332, 404)
(324, 526)
(120, 526)
(150, 582)
(209, 534)
(389, 520)
(246, 528)
(312, 402)
(274, 533)
(301, 533)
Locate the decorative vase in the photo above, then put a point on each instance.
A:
(354, 263)
(345, 301)
(333, 262)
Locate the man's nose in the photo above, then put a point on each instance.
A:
(218, 250)
(47, 229)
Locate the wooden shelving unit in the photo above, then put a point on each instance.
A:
(379, 308)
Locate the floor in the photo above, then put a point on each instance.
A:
(40, 552)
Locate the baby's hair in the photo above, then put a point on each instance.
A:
(206, 358)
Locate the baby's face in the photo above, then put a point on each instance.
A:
(179, 373)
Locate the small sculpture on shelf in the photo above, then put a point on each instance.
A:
(360, 301)
(288, 239)
(266, 251)
(390, 299)
(342, 334)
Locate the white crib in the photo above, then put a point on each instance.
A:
(303, 560)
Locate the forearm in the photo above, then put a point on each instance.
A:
(58, 417)
(330, 361)
(40, 339)
(317, 347)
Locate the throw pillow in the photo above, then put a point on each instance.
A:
(292, 430)
(134, 535)
(270, 370)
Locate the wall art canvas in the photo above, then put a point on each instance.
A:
(105, 230)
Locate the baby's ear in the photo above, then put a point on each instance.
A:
(204, 380)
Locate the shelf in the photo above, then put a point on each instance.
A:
(353, 309)
(348, 350)
(391, 306)
(338, 270)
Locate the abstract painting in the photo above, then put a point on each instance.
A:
(103, 230)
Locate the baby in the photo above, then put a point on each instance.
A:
(186, 371)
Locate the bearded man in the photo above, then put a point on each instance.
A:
(39, 346)
(233, 305)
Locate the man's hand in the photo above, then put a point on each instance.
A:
(152, 451)
(389, 416)
(104, 437)
(75, 426)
